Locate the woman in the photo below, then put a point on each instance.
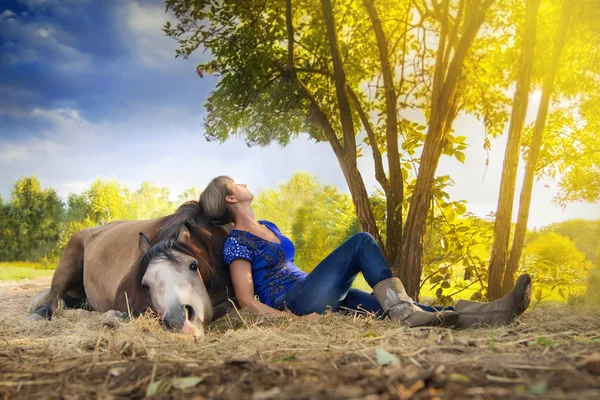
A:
(261, 261)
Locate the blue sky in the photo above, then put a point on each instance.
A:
(91, 89)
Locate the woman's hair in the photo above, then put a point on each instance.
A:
(213, 203)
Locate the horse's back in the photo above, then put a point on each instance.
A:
(110, 252)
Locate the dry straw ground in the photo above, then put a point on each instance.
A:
(554, 352)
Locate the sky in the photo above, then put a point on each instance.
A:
(91, 89)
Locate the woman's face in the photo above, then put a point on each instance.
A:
(241, 193)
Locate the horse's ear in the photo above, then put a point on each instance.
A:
(184, 234)
(144, 243)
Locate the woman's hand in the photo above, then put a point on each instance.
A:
(309, 317)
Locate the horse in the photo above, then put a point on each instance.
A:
(115, 267)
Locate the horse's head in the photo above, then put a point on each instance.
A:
(173, 272)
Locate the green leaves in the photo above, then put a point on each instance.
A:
(386, 358)
(164, 386)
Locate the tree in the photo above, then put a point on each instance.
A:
(503, 221)
(531, 166)
(555, 261)
(585, 234)
(150, 201)
(190, 194)
(317, 218)
(33, 221)
(286, 71)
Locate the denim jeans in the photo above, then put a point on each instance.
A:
(329, 285)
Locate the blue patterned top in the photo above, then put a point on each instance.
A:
(273, 268)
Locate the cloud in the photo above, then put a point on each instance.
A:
(59, 7)
(145, 26)
(11, 152)
(6, 14)
(28, 40)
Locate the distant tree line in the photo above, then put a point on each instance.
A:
(35, 225)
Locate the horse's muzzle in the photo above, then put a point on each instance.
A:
(183, 318)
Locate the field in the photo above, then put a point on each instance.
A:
(553, 352)
(22, 270)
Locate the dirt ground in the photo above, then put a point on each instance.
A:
(552, 353)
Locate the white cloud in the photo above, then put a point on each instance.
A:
(72, 151)
(12, 152)
(27, 41)
(6, 14)
(166, 147)
(145, 26)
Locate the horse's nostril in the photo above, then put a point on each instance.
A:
(189, 312)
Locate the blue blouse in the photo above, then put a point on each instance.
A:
(273, 268)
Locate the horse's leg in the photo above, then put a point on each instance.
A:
(68, 276)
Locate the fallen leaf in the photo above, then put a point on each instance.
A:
(385, 358)
(268, 394)
(538, 387)
(502, 379)
(454, 377)
(187, 382)
(116, 371)
(158, 387)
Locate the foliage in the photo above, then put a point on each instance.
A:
(317, 218)
(281, 77)
(554, 260)
(35, 225)
(31, 221)
(585, 234)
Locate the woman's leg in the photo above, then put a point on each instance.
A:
(328, 285)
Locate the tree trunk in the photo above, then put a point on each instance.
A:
(502, 224)
(536, 144)
(360, 199)
(347, 158)
(395, 194)
(443, 113)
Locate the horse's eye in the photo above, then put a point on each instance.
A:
(145, 287)
(194, 266)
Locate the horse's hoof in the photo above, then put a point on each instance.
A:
(34, 318)
(113, 315)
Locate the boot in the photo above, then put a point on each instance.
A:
(497, 313)
(391, 295)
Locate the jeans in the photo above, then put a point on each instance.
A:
(329, 285)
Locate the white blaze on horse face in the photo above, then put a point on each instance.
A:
(173, 286)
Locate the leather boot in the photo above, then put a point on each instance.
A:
(497, 313)
(399, 306)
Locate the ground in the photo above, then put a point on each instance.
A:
(553, 352)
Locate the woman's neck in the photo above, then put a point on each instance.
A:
(244, 218)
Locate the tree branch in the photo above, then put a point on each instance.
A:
(290, 37)
(340, 84)
(364, 118)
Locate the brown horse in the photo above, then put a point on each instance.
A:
(114, 267)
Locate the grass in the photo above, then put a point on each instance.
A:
(16, 271)
(547, 355)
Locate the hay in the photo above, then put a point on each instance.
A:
(551, 353)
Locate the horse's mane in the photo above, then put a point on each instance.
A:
(189, 214)
(167, 250)
(168, 227)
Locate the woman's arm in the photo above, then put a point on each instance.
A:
(241, 276)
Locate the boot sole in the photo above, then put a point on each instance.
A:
(446, 322)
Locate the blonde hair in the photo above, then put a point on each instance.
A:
(213, 203)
